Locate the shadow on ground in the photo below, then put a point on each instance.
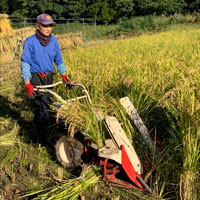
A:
(15, 105)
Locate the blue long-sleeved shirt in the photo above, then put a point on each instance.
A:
(38, 58)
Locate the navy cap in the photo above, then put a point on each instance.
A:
(45, 19)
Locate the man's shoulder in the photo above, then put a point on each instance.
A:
(31, 38)
(54, 38)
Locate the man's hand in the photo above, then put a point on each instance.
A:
(29, 88)
(67, 81)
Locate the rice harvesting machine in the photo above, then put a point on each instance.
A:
(117, 156)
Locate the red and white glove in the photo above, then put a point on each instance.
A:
(29, 89)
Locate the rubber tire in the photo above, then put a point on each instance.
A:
(68, 152)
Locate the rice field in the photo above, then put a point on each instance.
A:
(160, 73)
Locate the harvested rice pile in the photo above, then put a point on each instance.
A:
(71, 39)
(10, 39)
(5, 27)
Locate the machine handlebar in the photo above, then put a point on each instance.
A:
(47, 89)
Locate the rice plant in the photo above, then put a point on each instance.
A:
(9, 139)
(160, 74)
(5, 27)
(72, 188)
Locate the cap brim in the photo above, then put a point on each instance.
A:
(48, 23)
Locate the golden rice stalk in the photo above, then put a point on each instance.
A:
(5, 27)
(9, 44)
(9, 139)
(72, 189)
(23, 33)
(68, 40)
(187, 185)
(83, 118)
(3, 16)
(4, 123)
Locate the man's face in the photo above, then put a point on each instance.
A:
(45, 29)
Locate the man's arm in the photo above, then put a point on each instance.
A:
(26, 69)
(25, 72)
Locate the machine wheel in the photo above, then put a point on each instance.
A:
(68, 151)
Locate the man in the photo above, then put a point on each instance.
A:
(40, 51)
